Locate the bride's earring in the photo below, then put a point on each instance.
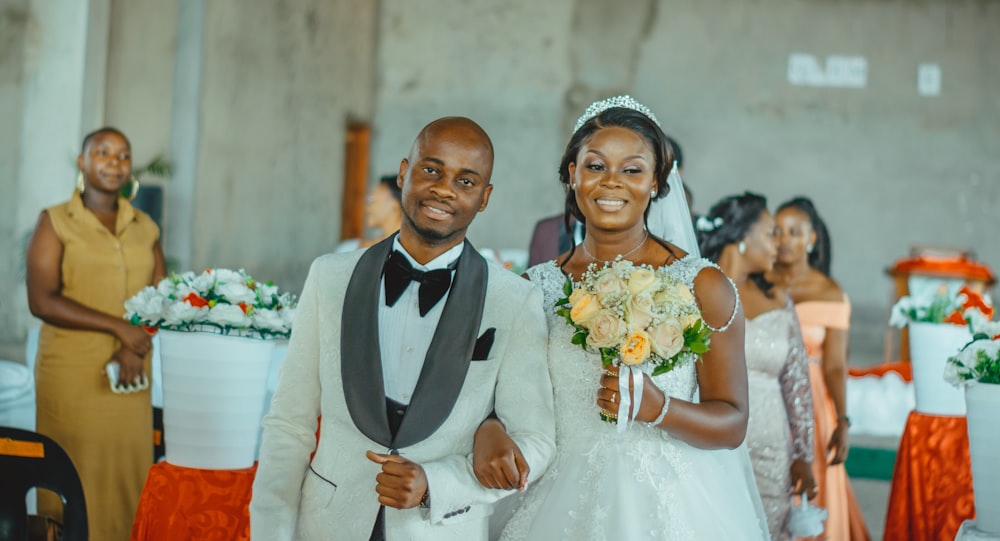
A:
(80, 185)
(809, 249)
(741, 247)
(652, 194)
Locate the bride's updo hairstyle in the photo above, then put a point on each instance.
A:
(819, 257)
(620, 117)
(728, 222)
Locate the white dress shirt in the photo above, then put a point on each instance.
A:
(404, 336)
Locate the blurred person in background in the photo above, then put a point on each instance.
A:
(85, 258)
(383, 214)
(803, 269)
(738, 234)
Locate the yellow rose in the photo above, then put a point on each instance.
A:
(609, 285)
(636, 348)
(641, 280)
(682, 292)
(640, 309)
(606, 330)
(576, 295)
(667, 338)
(584, 309)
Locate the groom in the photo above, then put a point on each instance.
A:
(402, 350)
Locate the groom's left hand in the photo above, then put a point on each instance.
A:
(402, 483)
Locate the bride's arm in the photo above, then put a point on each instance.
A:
(719, 420)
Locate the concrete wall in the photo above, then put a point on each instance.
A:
(280, 81)
(886, 167)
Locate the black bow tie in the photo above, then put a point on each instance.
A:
(398, 273)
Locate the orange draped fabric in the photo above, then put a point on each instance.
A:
(932, 482)
(186, 504)
(903, 368)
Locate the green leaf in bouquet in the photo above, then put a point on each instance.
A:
(563, 301)
(608, 355)
(580, 338)
(568, 287)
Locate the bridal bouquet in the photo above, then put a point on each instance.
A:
(979, 360)
(942, 308)
(635, 314)
(218, 300)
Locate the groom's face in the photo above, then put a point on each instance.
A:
(446, 180)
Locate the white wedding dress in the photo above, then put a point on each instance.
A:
(642, 484)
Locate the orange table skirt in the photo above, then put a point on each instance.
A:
(186, 504)
(903, 368)
(931, 491)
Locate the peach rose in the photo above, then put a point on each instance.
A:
(584, 309)
(606, 330)
(668, 338)
(689, 319)
(609, 285)
(636, 348)
(576, 295)
(640, 309)
(641, 280)
(676, 293)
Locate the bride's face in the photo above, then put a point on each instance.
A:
(613, 174)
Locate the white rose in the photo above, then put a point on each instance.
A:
(266, 294)
(288, 316)
(166, 288)
(236, 292)
(201, 283)
(271, 320)
(606, 330)
(228, 315)
(609, 287)
(668, 338)
(182, 313)
(147, 304)
(640, 310)
(226, 276)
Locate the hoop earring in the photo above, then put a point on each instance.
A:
(134, 185)
(80, 185)
(741, 247)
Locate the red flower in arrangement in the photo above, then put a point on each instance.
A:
(975, 300)
(245, 307)
(955, 318)
(195, 300)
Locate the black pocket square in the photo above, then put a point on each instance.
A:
(483, 345)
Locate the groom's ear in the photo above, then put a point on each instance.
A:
(484, 344)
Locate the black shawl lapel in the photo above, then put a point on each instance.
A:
(360, 357)
(448, 356)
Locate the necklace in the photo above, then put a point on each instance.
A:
(623, 256)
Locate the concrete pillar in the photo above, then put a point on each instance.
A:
(64, 74)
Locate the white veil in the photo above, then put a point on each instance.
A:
(670, 218)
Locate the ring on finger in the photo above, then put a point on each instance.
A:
(614, 396)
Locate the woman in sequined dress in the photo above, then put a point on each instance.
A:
(803, 269)
(680, 472)
(738, 234)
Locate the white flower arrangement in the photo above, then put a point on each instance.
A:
(222, 301)
(979, 360)
(941, 308)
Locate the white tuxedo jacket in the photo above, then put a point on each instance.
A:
(332, 495)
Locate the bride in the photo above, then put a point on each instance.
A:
(680, 470)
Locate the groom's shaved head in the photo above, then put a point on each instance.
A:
(456, 130)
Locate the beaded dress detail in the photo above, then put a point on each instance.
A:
(643, 483)
(781, 412)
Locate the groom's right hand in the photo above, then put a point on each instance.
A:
(402, 483)
(496, 460)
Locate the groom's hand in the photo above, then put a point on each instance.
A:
(401, 484)
(496, 460)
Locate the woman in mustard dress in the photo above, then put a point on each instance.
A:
(86, 257)
(803, 268)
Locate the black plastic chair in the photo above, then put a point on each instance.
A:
(53, 471)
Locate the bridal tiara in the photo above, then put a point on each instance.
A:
(624, 100)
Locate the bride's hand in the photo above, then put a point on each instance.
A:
(609, 396)
(496, 460)
(802, 479)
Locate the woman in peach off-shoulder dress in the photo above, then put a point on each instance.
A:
(803, 267)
